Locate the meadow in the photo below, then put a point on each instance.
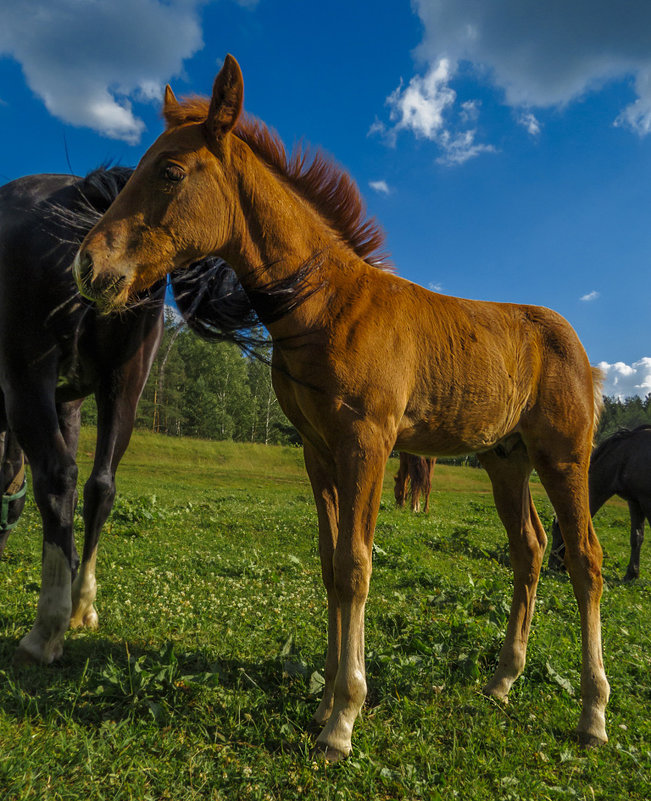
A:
(202, 678)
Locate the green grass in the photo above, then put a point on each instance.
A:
(202, 678)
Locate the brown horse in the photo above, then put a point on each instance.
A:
(367, 363)
(621, 465)
(414, 478)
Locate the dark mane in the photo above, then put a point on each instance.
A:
(96, 192)
(313, 174)
(215, 306)
(616, 438)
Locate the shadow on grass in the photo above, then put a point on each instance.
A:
(98, 680)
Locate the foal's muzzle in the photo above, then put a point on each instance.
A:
(103, 287)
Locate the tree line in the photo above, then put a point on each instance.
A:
(215, 391)
(210, 390)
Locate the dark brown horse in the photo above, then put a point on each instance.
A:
(55, 349)
(621, 465)
(368, 363)
(413, 479)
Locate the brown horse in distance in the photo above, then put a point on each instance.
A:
(621, 465)
(413, 479)
(368, 363)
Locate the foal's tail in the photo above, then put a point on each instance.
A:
(597, 391)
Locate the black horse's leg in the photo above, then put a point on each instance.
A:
(637, 538)
(556, 559)
(32, 416)
(117, 401)
(12, 478)
(69, 415)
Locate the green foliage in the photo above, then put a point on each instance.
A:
(628, 413)
(208, 663)
(212, 391)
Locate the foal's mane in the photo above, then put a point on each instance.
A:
(313, 174)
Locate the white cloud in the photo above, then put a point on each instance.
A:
(420, 105)
(435, 287)
(458, 148)
(624, 380)
(546, 59)
(380, 186)
(538, 60)
(589, 296)
(529, 121)
(88, 60)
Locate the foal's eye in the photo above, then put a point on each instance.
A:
(174, 173)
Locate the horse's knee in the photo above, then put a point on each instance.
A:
(99, 489)
(55, 492)
(352, 576)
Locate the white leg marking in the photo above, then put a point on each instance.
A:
(350, 684)
(44, 643)
(84, 591)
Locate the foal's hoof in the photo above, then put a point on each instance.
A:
(495, 690)
(326, 753)
(87, 619)
(591, 740)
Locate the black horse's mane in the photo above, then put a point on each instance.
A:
(613, 439)
(208, 294)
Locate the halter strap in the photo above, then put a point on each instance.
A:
(5, 525)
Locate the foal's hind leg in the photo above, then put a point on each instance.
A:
(527, 542)
(566, 483)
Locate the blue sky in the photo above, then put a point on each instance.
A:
(505, 146)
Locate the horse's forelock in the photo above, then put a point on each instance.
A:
(193, 109)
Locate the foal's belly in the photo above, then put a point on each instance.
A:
(430, 439)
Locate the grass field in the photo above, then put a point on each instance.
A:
(203, 675)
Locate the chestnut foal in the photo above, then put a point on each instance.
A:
(369, 362)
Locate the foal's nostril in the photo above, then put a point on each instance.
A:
(85, 262)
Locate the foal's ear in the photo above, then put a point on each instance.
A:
(227, 98)
(170, 107)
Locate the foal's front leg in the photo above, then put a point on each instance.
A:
(321, 473)
(359, 482)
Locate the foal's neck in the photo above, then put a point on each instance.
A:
(275, 230)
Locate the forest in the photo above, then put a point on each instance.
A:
(215, 391)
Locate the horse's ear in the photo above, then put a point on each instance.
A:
(170, 107)
(227, 98)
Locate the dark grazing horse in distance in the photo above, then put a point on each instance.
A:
(56, 349)
(413, 479)
(368, 364)
(621, 465)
